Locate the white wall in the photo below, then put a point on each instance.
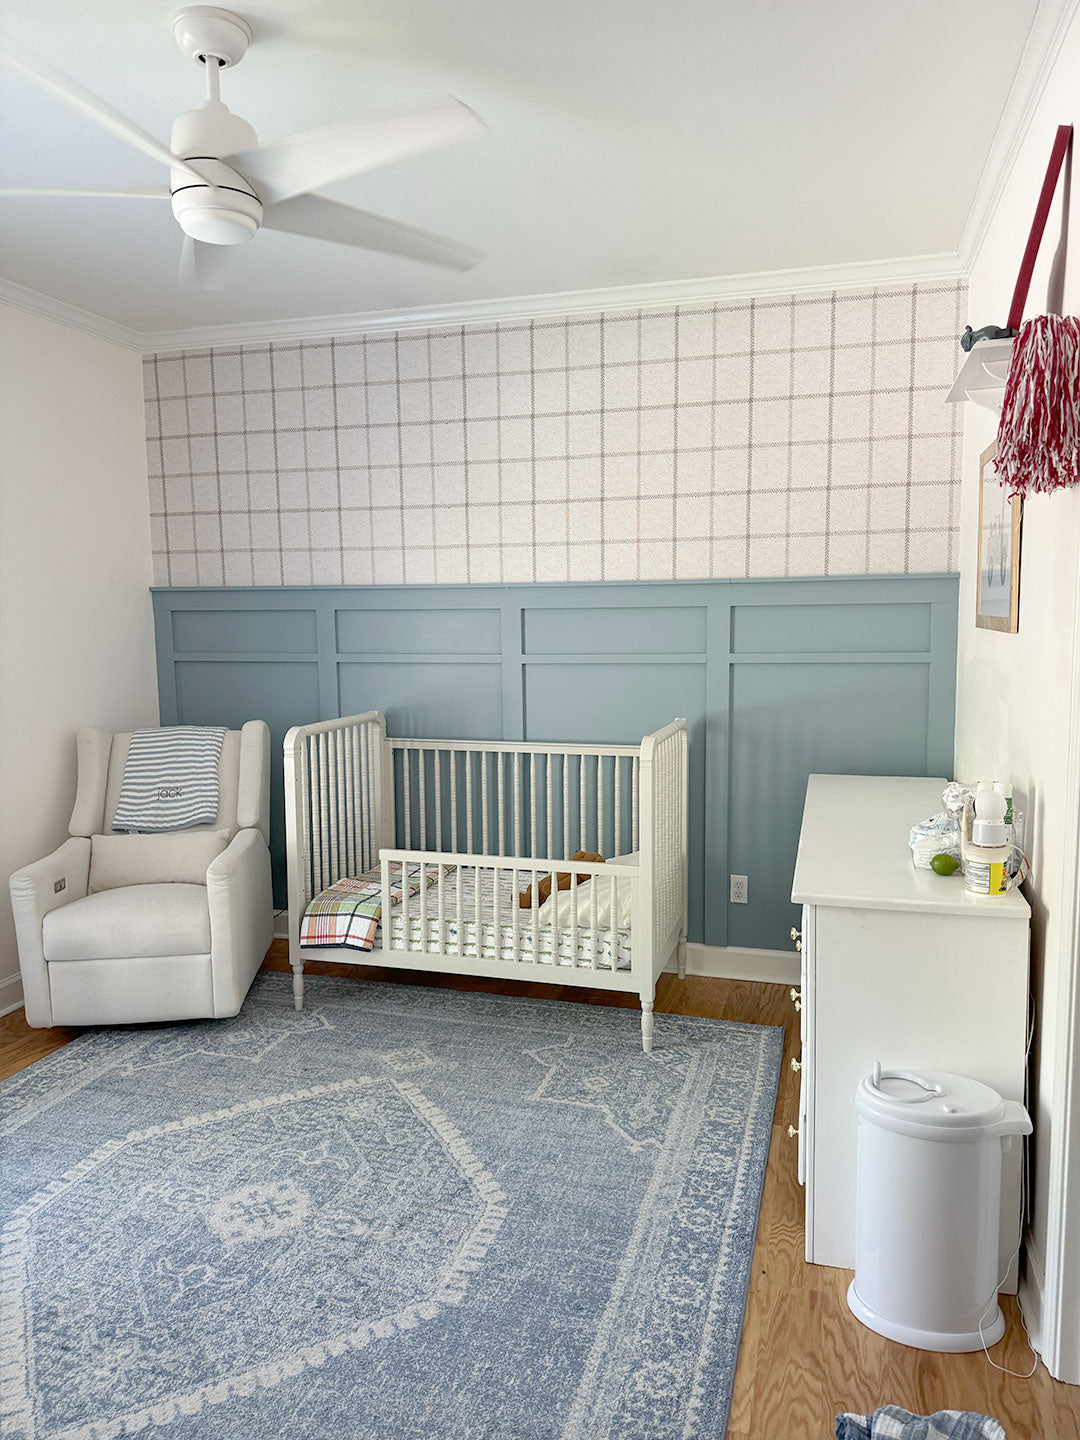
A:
(1014, 691)
(76, 626)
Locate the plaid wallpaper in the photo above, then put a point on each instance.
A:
(790, 435)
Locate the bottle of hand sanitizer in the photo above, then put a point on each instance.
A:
(986, 854)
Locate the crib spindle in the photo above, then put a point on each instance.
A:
(343, 825)
(550, 811)
(532, 805)
(497, 908)
(583, 807)
(573, 917)
(336, 827)
(361, 744)
(440, 838)
(517, 804)
(617, 849)
(406, 799)
(461, 910)
(515, 921)
(535, 895)
(305, 822)
(593, 886)
(329, 848)
(567, 852)
(406, 930)
(484, 847)
(421, 784)
(635, 767)
(478, 917)
(600, 767)
(454, 841)
(356, 800)
(554, 920)
(500, 773)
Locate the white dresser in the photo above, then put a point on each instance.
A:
(898, 965)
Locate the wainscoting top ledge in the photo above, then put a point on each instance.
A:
(544, 586)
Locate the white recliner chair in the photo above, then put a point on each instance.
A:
(114, 929)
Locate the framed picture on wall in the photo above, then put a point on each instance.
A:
(997, 598)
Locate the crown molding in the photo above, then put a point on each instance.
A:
(945, 266)
(1052, 22)
(72, 316)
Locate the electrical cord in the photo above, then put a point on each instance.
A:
(1004, 1369)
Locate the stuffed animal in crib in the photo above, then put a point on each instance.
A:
(563, 880)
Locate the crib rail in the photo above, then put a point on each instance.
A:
(515, 798)
(334, 782)
(600, 892)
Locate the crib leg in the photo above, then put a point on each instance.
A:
(646, 1024)
(681, 957)
(298, 985)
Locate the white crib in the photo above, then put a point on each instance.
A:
(492, 817)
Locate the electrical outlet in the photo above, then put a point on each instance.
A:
(58, 885)
(737, 893)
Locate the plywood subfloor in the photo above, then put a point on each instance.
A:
(804, 1357)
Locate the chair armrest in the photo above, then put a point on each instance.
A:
(241, 904)
(33, 895)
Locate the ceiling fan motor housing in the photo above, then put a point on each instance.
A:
(224, 210)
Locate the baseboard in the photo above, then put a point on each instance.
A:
(281, 925)
(735, 962)
(11, 996)
(1030, 1294)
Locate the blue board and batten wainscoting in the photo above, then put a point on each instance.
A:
(778, 678)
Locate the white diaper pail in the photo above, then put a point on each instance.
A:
(928, 1200)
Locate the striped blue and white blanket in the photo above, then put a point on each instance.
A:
(170, 778)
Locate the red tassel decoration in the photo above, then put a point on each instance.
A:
(1039, 433)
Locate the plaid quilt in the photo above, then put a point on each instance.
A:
(348, 913)
(892, 1423)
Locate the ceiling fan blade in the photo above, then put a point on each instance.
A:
(318, 157)
(323, 219)
(202, 266)
(85, 103)
(130, 192)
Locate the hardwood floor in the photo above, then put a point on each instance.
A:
(804, 1357)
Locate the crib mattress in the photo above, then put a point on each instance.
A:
(497, 942)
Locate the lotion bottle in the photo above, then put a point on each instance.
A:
(987, 853)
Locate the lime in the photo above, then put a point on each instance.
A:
(944, 865)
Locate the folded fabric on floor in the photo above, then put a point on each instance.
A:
(892, 1423)
(170, 778)
(349, 912)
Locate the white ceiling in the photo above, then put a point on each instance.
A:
(631, 141)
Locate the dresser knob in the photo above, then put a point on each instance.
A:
(795, 933)
(792, 1132)
(796, 1064)
(798, 945)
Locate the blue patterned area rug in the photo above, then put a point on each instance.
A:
(399, 1214)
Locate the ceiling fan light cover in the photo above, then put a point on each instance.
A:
(216, 225)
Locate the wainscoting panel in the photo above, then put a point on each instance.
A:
(777, 679)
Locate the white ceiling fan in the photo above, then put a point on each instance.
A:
(225, 187)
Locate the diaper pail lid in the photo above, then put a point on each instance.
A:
(936, 1105)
